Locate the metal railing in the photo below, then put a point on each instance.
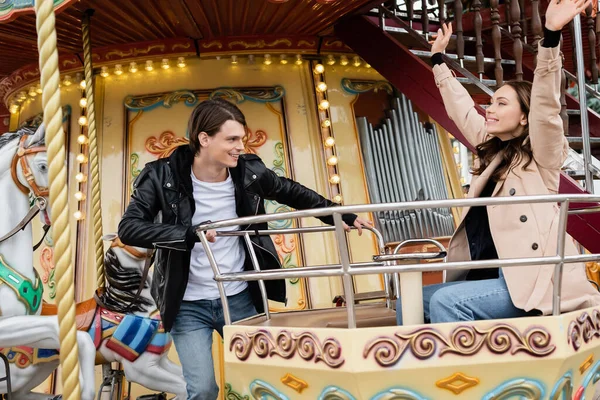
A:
(383, 264)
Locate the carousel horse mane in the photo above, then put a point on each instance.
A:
(10, 136)
(122, 284)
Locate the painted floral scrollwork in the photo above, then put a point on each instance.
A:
(146, 103)
(354, 86)
(48, 267)
(165, 144)
(255, 95)
(286, 345)
(584, 328)
(168, 141)
(231, 394)
(425, 343)
(254, 140)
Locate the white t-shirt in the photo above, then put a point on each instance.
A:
(215, 201)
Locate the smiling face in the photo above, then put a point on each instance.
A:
(505, 117)
(223, 149)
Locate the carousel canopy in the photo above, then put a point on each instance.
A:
(200, 26)
(117, 22)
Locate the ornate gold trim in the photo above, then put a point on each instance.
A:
(586, 364)
(294, 382)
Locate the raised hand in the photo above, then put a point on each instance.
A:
(442, 39)
(560, 13)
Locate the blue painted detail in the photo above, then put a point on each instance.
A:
(166, 100)
(261, 390)
(517, 388)
(334, 392)
(565, 390)
(592, 377)
(400, 393)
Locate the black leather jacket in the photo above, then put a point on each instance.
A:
(160, 213)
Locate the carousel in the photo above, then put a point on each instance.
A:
(338, 96)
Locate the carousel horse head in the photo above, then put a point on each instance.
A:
(124, 267)
(29, 165)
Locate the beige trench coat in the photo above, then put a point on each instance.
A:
(523, 230)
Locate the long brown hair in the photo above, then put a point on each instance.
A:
(515, 149)
(209, 116)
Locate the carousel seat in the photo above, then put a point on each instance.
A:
(84, 312)
(367, 316)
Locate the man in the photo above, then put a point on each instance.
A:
(208, 180)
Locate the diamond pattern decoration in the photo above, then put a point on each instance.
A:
(457, 383)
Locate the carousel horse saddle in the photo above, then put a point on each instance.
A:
(84, 313)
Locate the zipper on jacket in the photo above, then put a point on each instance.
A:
(268, 252)
(255, 211)
(163, 244)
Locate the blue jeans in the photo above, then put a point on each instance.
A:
(193, 333)
(467, 301)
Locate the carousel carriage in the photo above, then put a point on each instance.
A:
(349, 352)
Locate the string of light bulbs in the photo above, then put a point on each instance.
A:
(327, 136)
(82, 158)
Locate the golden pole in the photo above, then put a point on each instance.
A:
(55, 141)
(93, 148)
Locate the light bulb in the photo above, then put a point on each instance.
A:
(319, 69)
(67, 80)
(118, 69)
(133, 67)
(333, 160)
(38, 89)
(32, 92)
(234, 60)
(78, 215)
(104, 72)
(14, 108)
(80, 177)
(82, 84)
(330, 142)
(181, 62)
(326, 123)
(330, 60)
(334, 179)
(343, 61)
(323, 105)
(337, 199)
(165, 63)
(298, 60)
(82, 139)
(82, 157)
(79, 196)
(267, 60)
(82, 120)
(356, 61)
(149, 66)
(283, 59)
(83, 102)
(321, 87)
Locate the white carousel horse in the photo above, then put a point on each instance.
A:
(24, 175)
(31, 350)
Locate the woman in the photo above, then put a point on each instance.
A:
(520, 149)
